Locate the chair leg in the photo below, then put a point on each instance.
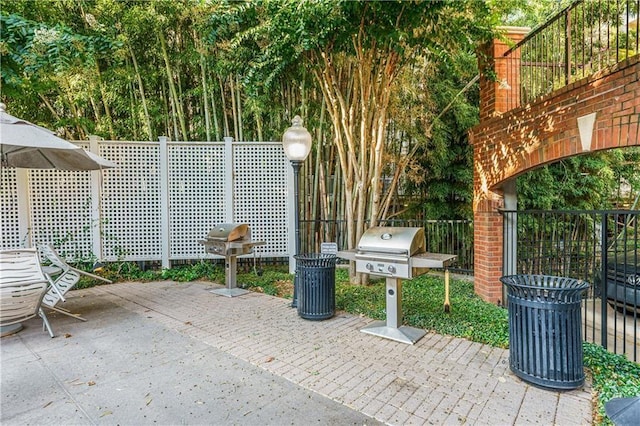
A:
(45, 322)
(66, 312)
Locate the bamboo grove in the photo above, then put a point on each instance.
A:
(385, 87)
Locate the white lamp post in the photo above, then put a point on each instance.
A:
(296, 142)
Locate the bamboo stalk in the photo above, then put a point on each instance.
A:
(214, 109)
(234, 109)
(224, 107)
(239, 106)
(175, 101)
(143, 98)
(205, 91)
(105, 101)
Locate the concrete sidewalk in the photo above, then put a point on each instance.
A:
(174, 353)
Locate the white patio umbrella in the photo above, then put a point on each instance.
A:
(27, 145)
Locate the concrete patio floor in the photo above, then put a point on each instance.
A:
(174, 353)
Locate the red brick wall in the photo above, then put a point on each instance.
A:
(509, 142)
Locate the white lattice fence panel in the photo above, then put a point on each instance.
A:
(58, 207)
(196, 195)
(260, 194)
(9, 223)
(61, 211)
(131, 201)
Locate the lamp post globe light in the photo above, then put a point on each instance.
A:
(296, 142)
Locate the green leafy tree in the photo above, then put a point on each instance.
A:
(356, 51)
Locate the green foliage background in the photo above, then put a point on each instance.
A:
(134, 70)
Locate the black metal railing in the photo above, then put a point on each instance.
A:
(442, 236)
(580, 40)
(600, 247)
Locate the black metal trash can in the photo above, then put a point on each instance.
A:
(545, 338)
(316, 280)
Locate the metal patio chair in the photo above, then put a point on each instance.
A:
(23, 284)
(64, 282)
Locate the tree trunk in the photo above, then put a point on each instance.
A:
(357, 93)
(49, 106)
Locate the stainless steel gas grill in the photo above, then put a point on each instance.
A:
(396, 253)
(230, 240)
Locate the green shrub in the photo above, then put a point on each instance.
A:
(197, 271)
(613, 376)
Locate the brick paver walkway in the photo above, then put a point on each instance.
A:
(439, 380)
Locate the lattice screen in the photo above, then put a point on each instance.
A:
(61, 211)
(130, 218)
(196, 195)
(260, 194)
(131, 202)
(9, 225)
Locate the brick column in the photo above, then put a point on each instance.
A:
(500, 75)
(499, 92)
(487, 250)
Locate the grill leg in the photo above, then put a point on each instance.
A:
(230, 268)
(394, 302)
(392, 328)
(231, 290)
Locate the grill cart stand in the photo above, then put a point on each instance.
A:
(230, 269)
(396, 253)
(392, 327)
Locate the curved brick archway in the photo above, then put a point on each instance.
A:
(597, 113)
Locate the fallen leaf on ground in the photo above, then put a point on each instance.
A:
(91, 383)
(67, 335)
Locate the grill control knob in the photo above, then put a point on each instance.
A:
(391, 269)
(369, 267)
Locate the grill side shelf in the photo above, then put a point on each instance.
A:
(243, 244)
(432, 260)
(347, 254)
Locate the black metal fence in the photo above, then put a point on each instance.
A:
(579, 41)
(600, 247)
(442, 236)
